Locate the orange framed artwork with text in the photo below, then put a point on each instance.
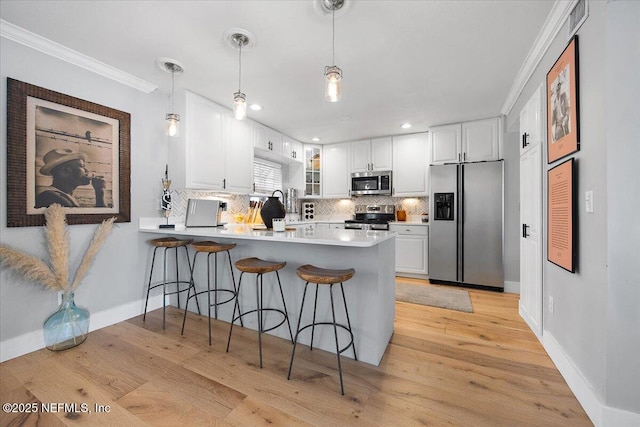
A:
(563, 132)
(561, 242)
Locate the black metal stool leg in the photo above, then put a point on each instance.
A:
(284, 304)
(313, 323)
(346, 310)
(259, 312)
(191, 284)
(295, 341)
(191, 281)
(235, 288)
(177, 277)
(335, 332)
(235, 307)
(164, 290)
(153, 260)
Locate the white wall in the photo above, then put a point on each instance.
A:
(593, 333)
(116, 279)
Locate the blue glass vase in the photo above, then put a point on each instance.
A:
(67, 327)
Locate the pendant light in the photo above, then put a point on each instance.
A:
(239, 98)
(172, 119)
(332, 73)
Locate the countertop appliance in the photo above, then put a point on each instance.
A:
(204, 213)
(371, 183)
(371, 217)
(291, 200)
(466, 227)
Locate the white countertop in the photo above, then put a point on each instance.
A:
(329, 237)
(409, 223)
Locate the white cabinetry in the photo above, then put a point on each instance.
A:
(475, 141)
(312, 176)
(412, 249)
(371, 154)
(335, 170)
(218, 151)
(410, 165)
(292, 149)
(531, 296)
(267, 139)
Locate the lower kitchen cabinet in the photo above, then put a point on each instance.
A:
(412, 250)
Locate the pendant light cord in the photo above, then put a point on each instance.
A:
(173, 73)
(240, 66)
(333, 32)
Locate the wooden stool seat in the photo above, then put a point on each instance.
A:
(311, 273)
(259, 266)
(169, 242)
(212, 247)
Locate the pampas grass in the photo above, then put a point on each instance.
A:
(55, 276)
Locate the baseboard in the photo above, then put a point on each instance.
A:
(600, 414)
(512, 287)
(522, 311)
(32, 341)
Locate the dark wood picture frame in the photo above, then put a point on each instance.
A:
(26, 141)
(563, 103)
(561, 215)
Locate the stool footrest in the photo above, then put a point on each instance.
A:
(331, 324)
(173, 282)
(255, 310)
(233, 295)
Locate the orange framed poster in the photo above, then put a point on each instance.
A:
(563, 132)
(561, 222)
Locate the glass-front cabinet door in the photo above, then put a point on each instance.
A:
(312, 155)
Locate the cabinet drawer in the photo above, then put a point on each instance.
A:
(415, 230)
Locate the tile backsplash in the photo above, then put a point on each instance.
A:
(324, 208)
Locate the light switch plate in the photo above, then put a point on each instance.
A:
(588, 201)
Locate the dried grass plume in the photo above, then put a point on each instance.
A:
(55, 276)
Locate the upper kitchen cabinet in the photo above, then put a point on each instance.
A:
(267, 139)
(531, 122)
(475, 141)
(410, 165)
(218, 148)
(312, 180)
(335, 170)
(292, 149)
(371, 154)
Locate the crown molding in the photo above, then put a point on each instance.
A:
(552, 26)
(34, 41)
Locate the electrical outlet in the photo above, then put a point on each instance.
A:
(550, 304)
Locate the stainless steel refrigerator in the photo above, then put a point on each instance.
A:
(466, 224)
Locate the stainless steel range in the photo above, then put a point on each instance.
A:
(371, 217)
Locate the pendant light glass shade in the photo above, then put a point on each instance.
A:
(239, 105)
(239, 98)
(333, 74)
(172, 120)
(173, 124)
(333, 84)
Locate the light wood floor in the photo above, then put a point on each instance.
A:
(442, 368)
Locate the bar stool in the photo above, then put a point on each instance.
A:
(259, 267)
(168, 243)
(211, 248)
(323, 276)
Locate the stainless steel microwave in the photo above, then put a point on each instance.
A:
(371, 183)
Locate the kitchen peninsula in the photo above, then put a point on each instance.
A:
(370, 293)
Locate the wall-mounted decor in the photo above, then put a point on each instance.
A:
(563, 133)
(68, 151)
(561, 237)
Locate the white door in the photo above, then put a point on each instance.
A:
(381, 154)
(204, 144)
(360, 155)
(410, 165)
(238, 157)
(335, 170)
(446, 144)
(481, 140)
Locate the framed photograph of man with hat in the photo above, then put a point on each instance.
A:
(563, 132)
(67, 151)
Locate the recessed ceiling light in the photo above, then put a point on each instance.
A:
(406, 125)
(255, 107)
(315, 139)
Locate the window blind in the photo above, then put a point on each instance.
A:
(267, 176)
